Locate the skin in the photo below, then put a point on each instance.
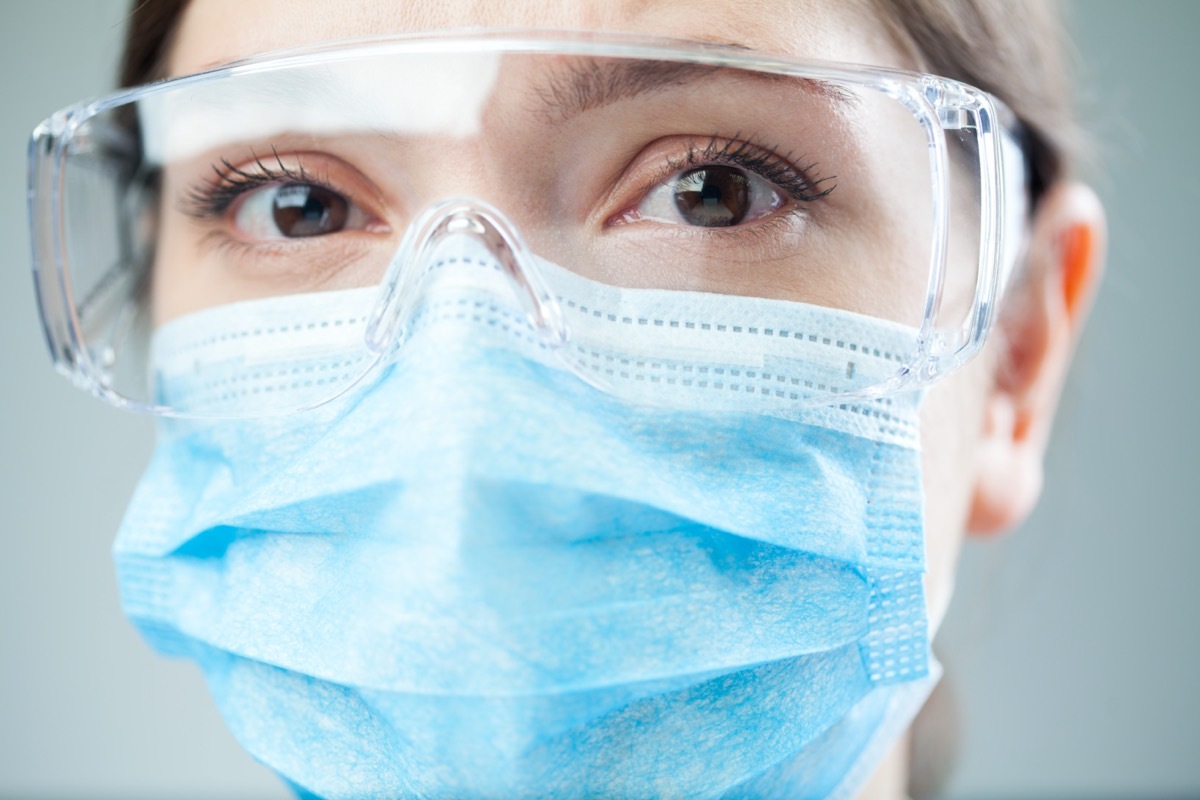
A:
(984, 429)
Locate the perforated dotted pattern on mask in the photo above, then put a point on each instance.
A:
(896, 648)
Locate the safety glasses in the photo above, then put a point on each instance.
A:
(278, 220)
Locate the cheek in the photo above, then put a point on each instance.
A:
(169, 293)
(951, 424)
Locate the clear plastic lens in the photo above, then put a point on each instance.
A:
(108, 251)
(637, 173)
(963, 232)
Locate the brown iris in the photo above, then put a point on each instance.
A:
(302, 209)
(713, 196)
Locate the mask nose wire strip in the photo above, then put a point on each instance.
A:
(478, 220)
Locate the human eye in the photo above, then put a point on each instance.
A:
(280, 198)
(294, 210)
(722, 183)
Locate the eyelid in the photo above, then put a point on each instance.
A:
(669, 156)
(211, 198)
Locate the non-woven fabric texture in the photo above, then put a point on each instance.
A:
(477, 575)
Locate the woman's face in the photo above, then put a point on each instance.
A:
(217, 31)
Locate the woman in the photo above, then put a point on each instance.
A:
(585, 415)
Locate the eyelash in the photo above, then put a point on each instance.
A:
(212, 198)
(767, 164)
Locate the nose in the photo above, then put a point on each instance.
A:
(479, 221)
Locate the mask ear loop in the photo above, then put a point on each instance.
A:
(389, 319)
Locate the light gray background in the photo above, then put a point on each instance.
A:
(1073, 643)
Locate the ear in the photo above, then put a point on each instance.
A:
(1041, 317)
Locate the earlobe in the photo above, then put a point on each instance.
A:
(1042, 317)
(1008, 473)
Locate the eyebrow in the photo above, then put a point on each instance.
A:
(591, 84)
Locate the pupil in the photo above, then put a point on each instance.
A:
(711, 194)
(313, 210)
(713, 197)
(301, 209)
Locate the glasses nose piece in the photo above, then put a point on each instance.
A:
(413, 261)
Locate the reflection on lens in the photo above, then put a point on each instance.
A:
(304, 179)
(713, 197)
(305, 210)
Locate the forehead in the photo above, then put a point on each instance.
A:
(217, 31)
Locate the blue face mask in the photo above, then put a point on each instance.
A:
(480, 577)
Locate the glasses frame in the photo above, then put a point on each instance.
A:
(939, 105)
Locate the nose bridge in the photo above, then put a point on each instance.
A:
(478, 221)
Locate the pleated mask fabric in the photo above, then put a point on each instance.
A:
(478, 576)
